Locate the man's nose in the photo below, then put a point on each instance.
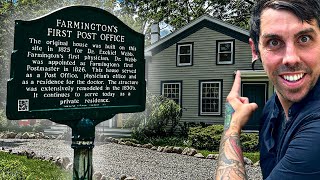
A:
(291, 55)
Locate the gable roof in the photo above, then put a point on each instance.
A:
(203, 21)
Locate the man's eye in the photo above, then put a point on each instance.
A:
(273, 43)
(304, 39)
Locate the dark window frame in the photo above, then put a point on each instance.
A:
(219, 112)
(162, 83)
(218, 42)
(178, 63)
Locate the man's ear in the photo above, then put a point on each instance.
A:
(255, 55)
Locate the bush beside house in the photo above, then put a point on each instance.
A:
(209, 138)
(161, 118)
(160, 124)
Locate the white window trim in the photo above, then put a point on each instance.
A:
(218, 52)
(190, 54)
(179, 83)
(220, 91)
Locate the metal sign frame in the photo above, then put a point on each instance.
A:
(77, 66)
(95, 39)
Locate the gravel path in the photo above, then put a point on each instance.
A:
(114, 160)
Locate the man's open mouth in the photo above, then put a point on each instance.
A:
(293, 78)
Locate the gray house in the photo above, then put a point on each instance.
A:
(195, 67)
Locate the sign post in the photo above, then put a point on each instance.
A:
(76, 66)
(83, 143)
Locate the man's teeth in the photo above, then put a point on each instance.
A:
(293, 77)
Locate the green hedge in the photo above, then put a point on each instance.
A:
(208, 138)
(249, 142)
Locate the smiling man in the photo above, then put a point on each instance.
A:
(285, 36)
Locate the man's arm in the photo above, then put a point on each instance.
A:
(230, 162)
(238, 111)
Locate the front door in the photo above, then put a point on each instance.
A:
(256, 92)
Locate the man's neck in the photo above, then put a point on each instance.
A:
(285, 105)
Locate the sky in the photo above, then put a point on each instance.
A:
(165, 29)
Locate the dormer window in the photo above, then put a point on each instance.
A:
(185, 54)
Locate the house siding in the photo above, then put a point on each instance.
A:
(162, 67)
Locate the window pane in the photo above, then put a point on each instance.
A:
(225, 52)
(184, 49)
(184, 59)
(210, 105)
(225, 47)
(184, 54)
(225, 57)
(210, 97)
(172, 91)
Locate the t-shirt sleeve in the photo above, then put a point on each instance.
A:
(302, 159)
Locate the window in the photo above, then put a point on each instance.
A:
(210, 97)
(225, 52)
(184, 54)
(172, 90)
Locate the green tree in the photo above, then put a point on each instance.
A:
(239, 13)
(181, 12)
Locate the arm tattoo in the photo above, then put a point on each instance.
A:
(228, 114)
(230, 163)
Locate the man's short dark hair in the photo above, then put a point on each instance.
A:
(306, 10)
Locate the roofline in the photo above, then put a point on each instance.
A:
(204, 17)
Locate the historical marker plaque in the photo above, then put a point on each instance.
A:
(76, 62)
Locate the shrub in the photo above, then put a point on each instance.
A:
(205, 138)
(164, 117)
(185, 127)
(249, 142)
(208, 138)
(160, 118)
(133, 120)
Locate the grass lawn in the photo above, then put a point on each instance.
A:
(14, 167)
(253, 156)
